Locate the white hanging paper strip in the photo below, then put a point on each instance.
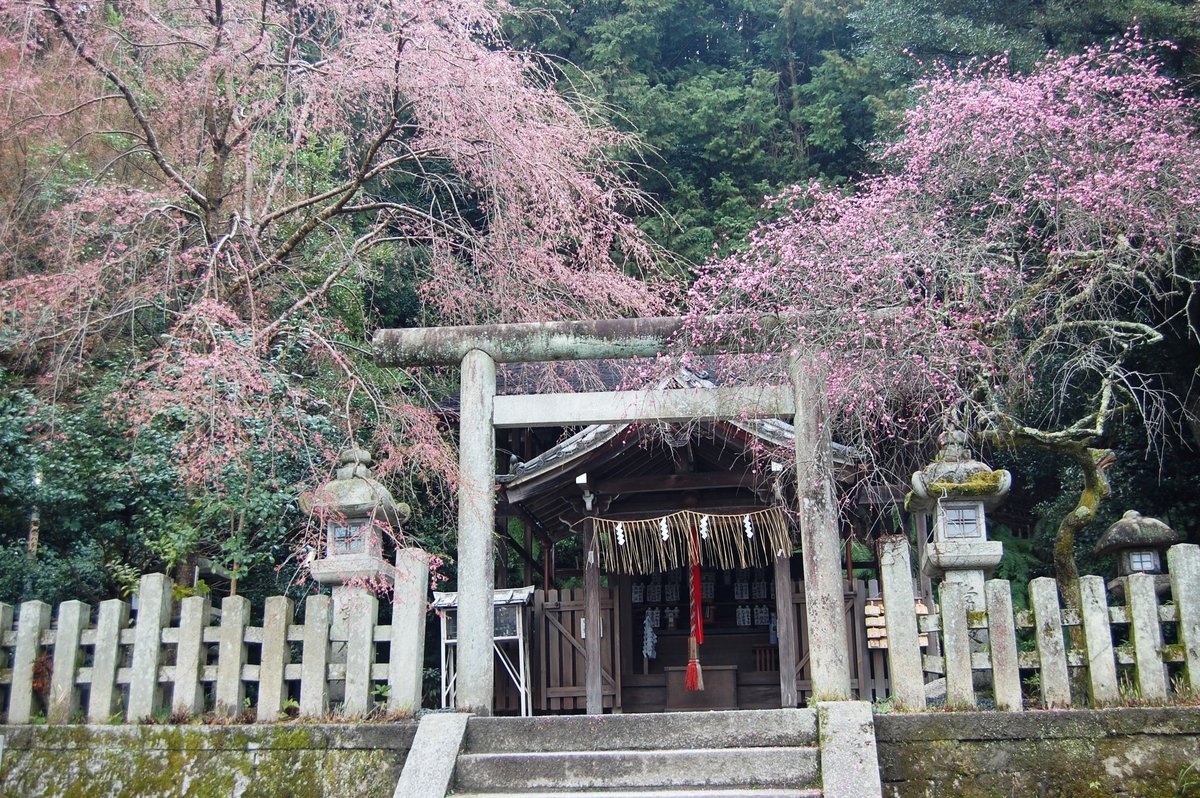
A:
(678, 540)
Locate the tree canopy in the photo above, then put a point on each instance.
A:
(207, 205)
(1029, 237)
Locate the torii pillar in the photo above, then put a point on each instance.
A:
(476, 521)
(479, 348)
(829, 648)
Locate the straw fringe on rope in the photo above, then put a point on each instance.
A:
(650, 545)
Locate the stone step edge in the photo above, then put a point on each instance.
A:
(691, 792)
(705, 768)
(628, 753)
(635, 731)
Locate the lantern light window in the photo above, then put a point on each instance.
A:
(1143, 561)
(347, 537)
(962, 521)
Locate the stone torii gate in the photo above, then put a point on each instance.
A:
(479, 348)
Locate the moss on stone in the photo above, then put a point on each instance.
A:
(292, 760)
(1054, 757)
(981, 483)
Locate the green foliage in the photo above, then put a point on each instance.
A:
(712, 88)
(113, 506)
(51, 576)
(1187, 783)
(902, 36)
(1022, 562)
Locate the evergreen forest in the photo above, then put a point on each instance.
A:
(206, 211)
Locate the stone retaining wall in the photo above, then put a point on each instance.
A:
(1137, 752)
(297, 760)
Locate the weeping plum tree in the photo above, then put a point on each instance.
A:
(1028, 237)
(204, 195)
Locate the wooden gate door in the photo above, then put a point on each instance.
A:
(868, 667)
(559, 661)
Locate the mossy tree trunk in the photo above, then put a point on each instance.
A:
(1092, 463)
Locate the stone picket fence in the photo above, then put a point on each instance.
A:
(192, 658)
(1145, 651)
(189, 658)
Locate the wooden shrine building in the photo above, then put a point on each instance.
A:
(613, 485)
(659, 495)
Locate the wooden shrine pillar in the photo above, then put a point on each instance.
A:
(591, 618)
(785, 630)
(501, 547)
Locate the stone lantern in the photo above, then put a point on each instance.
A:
(353, 506)
(1140, 544)
(959, 490)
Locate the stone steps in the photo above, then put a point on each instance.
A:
(661, 731)
(762, 754)
(688, 793)
(593, 770)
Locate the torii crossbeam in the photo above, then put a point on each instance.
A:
(478, 349)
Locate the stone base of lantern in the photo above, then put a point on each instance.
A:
(946, 556)
(348, 568)
(350, 575)
(1116, 587)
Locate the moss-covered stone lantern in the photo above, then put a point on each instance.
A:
(1140, 544)
(354, 508)
(958, 490)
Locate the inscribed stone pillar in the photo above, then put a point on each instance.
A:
(314, 664)
(350, 603)
(410, 603)
(904, 650)
(34, 618)
(476, 516)
(829, 652)
(73, 618)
